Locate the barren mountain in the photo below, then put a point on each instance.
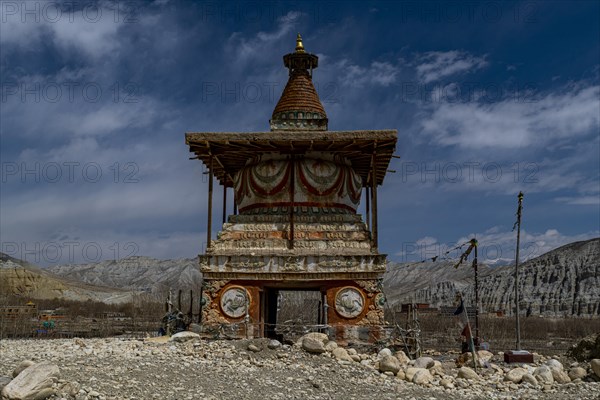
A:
(405, 282)
(21, 278)
(564, 281)
(138, 273)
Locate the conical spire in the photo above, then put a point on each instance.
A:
(299, 107)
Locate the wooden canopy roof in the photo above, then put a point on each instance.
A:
(231, 150)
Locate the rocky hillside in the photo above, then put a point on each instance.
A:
(139, 273)
(407, 282)
(564, 281)
(21, 278)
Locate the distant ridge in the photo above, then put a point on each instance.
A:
(21, 278)
(563, 282)
(139, 273)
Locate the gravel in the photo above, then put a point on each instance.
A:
(116, 368)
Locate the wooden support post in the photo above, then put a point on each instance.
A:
(476, 298)
(374, 198)
(292, 189)
(210, 198)
(235, 210)
(367, 210)
(224, 203)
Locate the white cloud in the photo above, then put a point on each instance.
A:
(245, 49)
(435, 65)
(426, 241)
(91, 30)
(512, 123)
(495, 245)
(581, 200)
(500, 246)
(378, 73)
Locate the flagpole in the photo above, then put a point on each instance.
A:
(474, 243)
(518, 324)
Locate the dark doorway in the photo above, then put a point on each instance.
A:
(290, 313)
(270, 312)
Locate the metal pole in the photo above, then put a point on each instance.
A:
(518, 323)
(210, 198)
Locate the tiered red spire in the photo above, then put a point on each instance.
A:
(299, 107)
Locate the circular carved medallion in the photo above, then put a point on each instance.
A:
(349, 302)
(234, 302)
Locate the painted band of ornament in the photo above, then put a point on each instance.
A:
(312, 276)
(318, 183)
(344, 218)
(235, 301)
(349, 302)
(314, 235)
(286, 204)
(272, 227)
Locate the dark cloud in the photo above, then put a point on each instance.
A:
(94, 108)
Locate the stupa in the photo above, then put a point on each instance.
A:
(295, 224)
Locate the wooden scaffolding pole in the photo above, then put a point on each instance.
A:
(475, 268)
(374, 200)
(235, 208)
(224, 203)
(210, 197)
(367, 210)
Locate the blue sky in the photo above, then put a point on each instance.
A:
(488, 99)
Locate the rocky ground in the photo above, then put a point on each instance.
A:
(314, 368)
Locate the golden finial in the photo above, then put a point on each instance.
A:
(299, 46)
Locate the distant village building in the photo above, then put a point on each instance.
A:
(19, 312)
(295, 226)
